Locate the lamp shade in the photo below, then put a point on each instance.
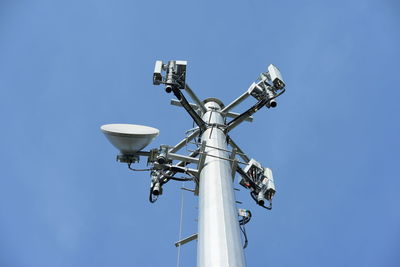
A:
(129, 138)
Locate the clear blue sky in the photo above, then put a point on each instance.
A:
(67, 67)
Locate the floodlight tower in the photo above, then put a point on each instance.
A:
(220, 222)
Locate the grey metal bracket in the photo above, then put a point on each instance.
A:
(127, 158)
(200, 166)
(234, 162)
(168, 167)
(239, 151)
(174, 156)
(236, 102)
(186, 240)
(176, 103)
(194, 97)
(188, 189)
(228, 159)
(202, 157)
(233, 115)
(186, 140)
(228, 114)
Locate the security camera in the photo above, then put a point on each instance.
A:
(175, 74)
(155, 185)
(271, 96)
(256, 90)
(271, 104)
(162, 157)
(269, 183)
(276, 77)
(180, 68)
(168, 89)
(157, 189)
(261, 90)
(260, 198)
(260, 182)
(157, 77)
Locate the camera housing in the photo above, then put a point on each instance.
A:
(261, 90)
(157, 77)
(276, 77)
(263, 181)
(175, 74)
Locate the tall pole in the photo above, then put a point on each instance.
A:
(219, 237)
(219, 242)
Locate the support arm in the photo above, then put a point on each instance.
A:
(197, 119)
(229, 114)
(236, 102)
(241, 153)
(195, 99)
(235, 122)
(183, 142)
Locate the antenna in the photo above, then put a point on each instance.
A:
(219, 227)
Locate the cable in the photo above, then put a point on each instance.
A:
(137, 170)
(171, 177)
(178, 178)
(245, 220)
(246, 241)
(252, 194)
(180, 228)
(152, 198)
(182, 163)
(242, 222)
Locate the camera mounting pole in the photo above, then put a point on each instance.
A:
(219, 242)
(219, 227)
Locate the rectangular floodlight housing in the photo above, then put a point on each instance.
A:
(157, 77)
(252, 163)
(256, 90)
(181, 63)
(180, 66)
(276, 77)
(269, 179)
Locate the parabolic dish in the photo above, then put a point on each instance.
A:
(129, 138)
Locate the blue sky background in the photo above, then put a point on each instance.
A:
(67, 67)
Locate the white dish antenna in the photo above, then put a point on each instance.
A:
(129, 138)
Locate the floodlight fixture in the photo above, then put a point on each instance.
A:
(157, 77)
(276, 77)
(129, 138)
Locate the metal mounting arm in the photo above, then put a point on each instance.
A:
(195, 99)
(197, 119)
(229, 114)
(241, 153)
(184, 141)
(174, 81)
(235, 122)
(236, 102)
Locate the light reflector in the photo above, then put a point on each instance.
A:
(129, 138)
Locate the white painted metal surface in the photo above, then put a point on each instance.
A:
(129, 138)
(219, 241)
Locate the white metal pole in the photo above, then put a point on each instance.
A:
(219, 242)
